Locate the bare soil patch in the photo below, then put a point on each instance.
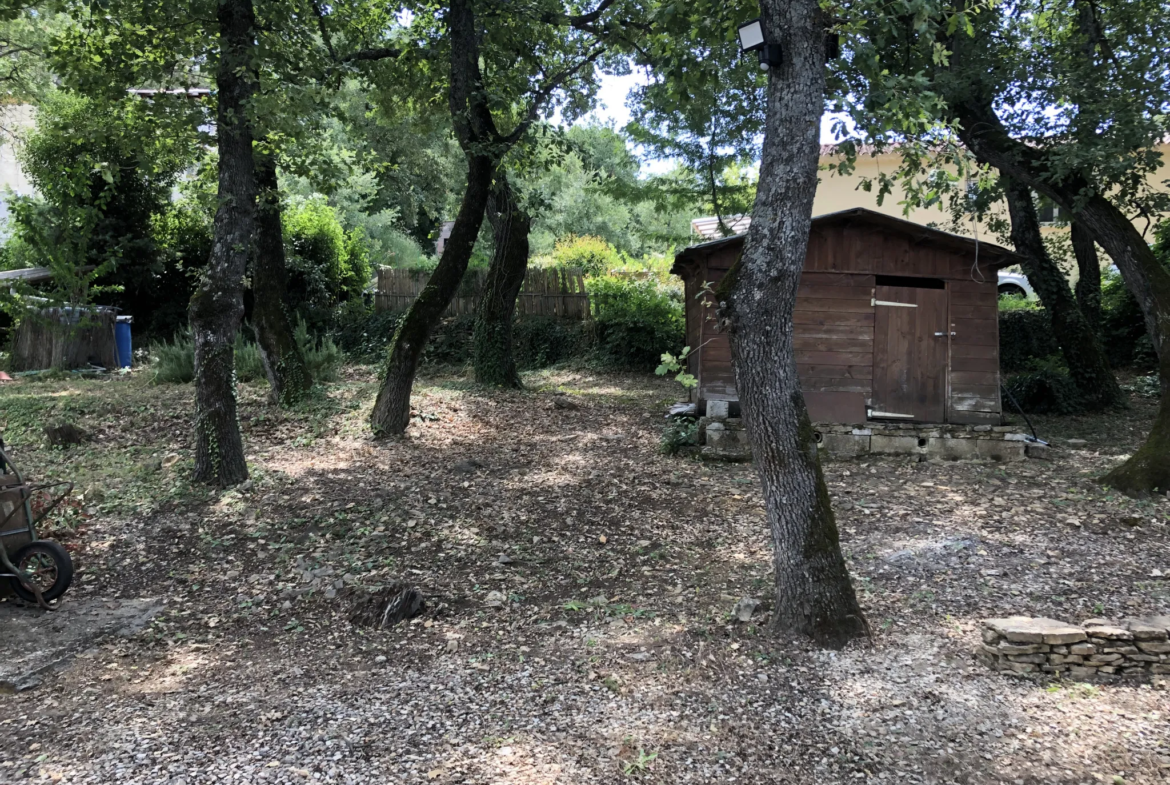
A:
(579, 590)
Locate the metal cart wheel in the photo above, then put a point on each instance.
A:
(46, 564)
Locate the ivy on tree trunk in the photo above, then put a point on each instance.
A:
(1088, 274)
(284, 364)
(814, 595)
(493, 358)
(217, 306)
(1078, 341)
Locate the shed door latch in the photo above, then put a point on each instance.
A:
(875, 301)
(944, 335)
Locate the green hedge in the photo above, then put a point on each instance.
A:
(1024, 336)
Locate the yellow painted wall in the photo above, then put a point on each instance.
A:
(841, 193)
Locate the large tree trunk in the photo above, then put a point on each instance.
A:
(1078, 341)
(1145, 278)
(1088, 274)
(283, 362)
(493, 358)
(814, 596)
(392, 410)
(217, 306)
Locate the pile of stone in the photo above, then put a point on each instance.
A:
(1097, 650)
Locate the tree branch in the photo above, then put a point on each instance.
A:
(544, 93)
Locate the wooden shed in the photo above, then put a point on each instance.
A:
(894, 321)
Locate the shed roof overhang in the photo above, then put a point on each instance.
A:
(994, 256)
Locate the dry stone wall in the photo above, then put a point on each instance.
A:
(1097, 650)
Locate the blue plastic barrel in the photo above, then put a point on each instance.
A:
(122, 340)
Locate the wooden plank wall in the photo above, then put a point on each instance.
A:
(545, 292)
(834, 320)
(974, 372)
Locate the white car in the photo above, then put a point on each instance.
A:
(1015, 284)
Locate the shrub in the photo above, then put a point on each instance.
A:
(362, 332)
(325, 265)
(541, 341)
(635, 321)
(1123, 328)
(679, 432)
(1024, 336)
(174, 361)
(593, 255)
(1044, 388)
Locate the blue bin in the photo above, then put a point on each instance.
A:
(122, 340)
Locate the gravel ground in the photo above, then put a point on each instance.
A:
(579, 589)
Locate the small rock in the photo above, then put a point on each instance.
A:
(380, 659)
(744, 609)
(495, 599)
(1075, 442)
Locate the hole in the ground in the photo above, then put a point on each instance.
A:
(921, 442)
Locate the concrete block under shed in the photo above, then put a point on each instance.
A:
(718, 409)
(999, 450)
(953, 449)
(895, 445)
(845, 445)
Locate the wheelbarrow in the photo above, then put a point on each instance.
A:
(38, 571)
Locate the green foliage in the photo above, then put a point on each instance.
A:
(585, 182)
(326, 265)
(593, 255)
(1044, 388)
(174, 360)
(635, 321)
(678, 366)
(363, 333)
(680, 432)
(103, 171)
(1024, 336)
(1144, 386)
(541, 341)
(1123, 328)
(1014, 302)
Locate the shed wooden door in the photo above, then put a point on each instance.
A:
(910, 353)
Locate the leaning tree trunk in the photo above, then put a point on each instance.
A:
(391, 412)
(494, 361)
(1087, 362)
(1145, 278)
(814, 596)
(217, 305)
(1088, 274)
(284, 364)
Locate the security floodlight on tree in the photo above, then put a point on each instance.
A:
(751, 39)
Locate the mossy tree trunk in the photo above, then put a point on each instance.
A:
(391, 413)
(217, 306)
(814, 595)
(493, 358)
(1079, 343)
(284, 365)
(1088, 287)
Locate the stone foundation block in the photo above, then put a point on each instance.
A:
(998, 450)
(953, 449)
(894, 445)
(845, 445)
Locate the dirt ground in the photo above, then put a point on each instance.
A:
(579, 588)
